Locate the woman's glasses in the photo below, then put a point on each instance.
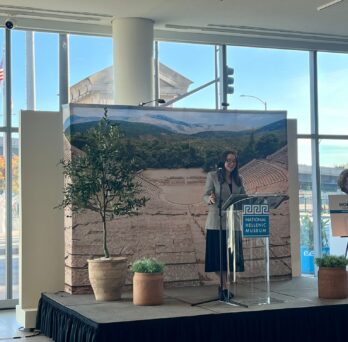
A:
(230, 161)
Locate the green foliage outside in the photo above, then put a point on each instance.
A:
(102, 177)
(147, 265)
(307, 227)
(333, 261)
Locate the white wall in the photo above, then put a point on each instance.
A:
(42, 226)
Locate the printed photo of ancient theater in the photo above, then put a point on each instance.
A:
(174, 150)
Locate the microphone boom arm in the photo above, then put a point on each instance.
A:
(142, 104)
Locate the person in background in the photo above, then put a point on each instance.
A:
(232, 183)
(343, 181)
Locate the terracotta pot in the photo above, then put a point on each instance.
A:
(107, 277)
(332, 283)
(147, 288)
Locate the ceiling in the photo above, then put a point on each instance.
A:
(254, 18)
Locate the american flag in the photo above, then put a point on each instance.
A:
(1, 71)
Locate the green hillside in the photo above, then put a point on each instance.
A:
(156, 147)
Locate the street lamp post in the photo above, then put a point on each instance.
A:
(257, 98)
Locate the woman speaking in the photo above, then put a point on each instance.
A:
(227, 176)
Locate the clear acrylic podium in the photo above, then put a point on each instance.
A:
(248, 261)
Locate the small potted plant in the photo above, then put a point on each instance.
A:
(147, 282)
(332, 277)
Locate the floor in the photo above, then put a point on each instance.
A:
(9, 328)
(298, 292)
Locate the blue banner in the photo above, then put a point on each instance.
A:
(255, 221)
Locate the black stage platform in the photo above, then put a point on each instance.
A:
(295, 314)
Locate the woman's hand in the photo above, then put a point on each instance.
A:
(212, 198)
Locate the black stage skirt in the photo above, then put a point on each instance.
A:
(212, 252)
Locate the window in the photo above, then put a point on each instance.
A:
(91, 73)
(18, 76)
(333, 158)
(15, 215)
(46, 71)
(332, 92)
(276, 79)
(181, 72)
(3, 232)
(271, 79)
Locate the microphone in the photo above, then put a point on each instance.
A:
(220, 172)
(142, 104)
(220, 165)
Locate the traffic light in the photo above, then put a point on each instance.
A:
(226, 79)
(229, 80)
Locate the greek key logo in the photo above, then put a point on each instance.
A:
(255, 209)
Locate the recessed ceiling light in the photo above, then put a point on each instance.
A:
(331, 3)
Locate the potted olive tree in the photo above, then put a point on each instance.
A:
(102, 179)
(332, 277)
(147, 282)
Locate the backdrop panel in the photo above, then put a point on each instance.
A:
(175, 149)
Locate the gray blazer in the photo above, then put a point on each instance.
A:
(212, 185)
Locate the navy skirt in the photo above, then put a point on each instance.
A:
(212, 252)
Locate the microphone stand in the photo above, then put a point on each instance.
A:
(221, 297)
(221, 180)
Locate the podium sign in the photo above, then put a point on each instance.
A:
(255, 220)
(339, 214)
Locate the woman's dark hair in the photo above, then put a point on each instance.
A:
(342, 181)
(235, 173)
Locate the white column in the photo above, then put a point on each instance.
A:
(41, 252)
(133, 60)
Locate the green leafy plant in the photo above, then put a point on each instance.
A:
(102, 177)
(333, 261)
(307, 227)
(147, 265)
